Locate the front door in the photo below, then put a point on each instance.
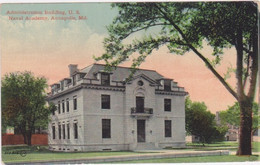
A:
(140, 130)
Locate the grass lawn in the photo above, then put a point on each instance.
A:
(224, 158)
(35, 153)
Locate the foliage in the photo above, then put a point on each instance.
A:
(232, 116)
(183, 27)
(23, 102)
(200, 122)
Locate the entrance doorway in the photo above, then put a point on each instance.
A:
(140, 130)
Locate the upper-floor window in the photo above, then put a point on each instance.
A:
(168, 128)
(167, 85)
(106, 128)
(105, 79)
(75, 102)
(139, 104)
(59, 107)
(68, 104)
(167, 104)
(105, 101)
(63, 106)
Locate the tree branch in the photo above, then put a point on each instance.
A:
(211, 68)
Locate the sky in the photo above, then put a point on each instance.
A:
(47, 47)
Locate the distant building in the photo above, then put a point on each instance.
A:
(97, 110)
(233, 131)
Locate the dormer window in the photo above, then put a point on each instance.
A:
(167, 85)
(105, 79)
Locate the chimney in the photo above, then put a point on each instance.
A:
(72, 68)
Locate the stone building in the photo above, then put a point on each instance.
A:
(97, 110)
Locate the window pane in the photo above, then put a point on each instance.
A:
(75, 130)
(167, 104)
(74, 102)
(63, 106)
(68, 130)
(68, 105)
(167, 85)
(59, 107)
(168, 128)
(106, 128)
(105, 79)
(105, 101)
(53, 132)
(59, 131)
(140, 104)
(63, 130)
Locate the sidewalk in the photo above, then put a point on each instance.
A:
(153, 154)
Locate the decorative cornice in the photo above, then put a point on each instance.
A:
(101, 87)
(176, 93)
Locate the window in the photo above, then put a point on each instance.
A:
(59, 131)
(106, 129)
(63, 130)
(139, 104)
(105, 79)
(75, 130)
(59, 107)
(53, 132)
(68, 130)
(167, 85)
(105, 101)
(140, 83)
(75, 102)
(63, 106)
(168, 128)
(167, 104)
(68, 105)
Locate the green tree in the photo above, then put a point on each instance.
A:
(231, 116)
(201, 122)
(184, 27)
(23, 102)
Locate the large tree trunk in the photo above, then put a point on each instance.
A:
(29, 137)
(245, 135)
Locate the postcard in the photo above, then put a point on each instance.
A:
(129, 82)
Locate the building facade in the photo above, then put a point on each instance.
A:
(98, 111)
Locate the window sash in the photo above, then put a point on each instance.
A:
(105, 101)
(105, 79)
(168, 128)
(68, 105)
(106, 128)
(167, 104)
(59, 131)
(75, 103)
(75, 130)
(53, 132)
(68, 131)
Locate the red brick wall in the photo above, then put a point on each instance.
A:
(37, 139)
